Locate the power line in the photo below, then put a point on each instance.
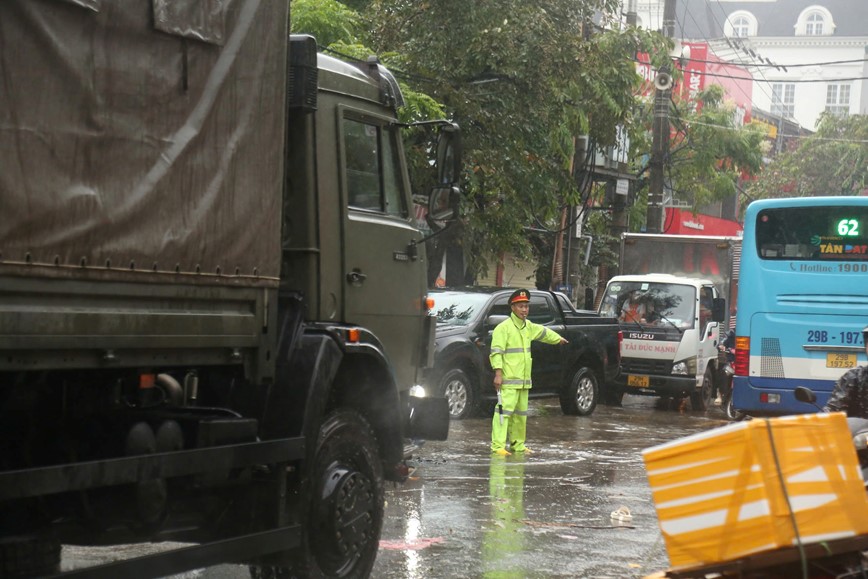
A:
(814, 137)
(778, 81)
(761, 64)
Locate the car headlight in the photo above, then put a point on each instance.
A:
(418, 391)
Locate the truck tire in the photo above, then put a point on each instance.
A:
(704, 397)
(580, 396)
(456, 387)
(343, 504)
(29, 556)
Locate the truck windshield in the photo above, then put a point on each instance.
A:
(654, 304)
(457, 308)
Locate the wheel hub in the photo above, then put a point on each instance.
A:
(345, 517)
(584, 393)
(456, 395)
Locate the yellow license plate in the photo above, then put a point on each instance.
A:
(638, 381)
(834, 360)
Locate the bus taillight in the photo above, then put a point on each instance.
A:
(742, 355)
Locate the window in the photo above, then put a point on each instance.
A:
(374, 179)
(740, 24)
(741, 27)
(783, 99)
(815, 21)
(835, 233)
(814, 24)
(838, 99)
(540, 310)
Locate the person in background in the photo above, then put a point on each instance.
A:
(850, 393)
(633, 310)
(511, 361)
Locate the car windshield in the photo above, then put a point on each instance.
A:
(457, 308)
(661, 304)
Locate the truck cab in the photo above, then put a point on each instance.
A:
(671, 330)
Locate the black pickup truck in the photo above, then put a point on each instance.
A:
(578, 372)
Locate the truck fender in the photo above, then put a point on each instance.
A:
(323, 374)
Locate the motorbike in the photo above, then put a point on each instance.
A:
(727, 348)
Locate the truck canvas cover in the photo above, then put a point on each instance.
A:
(142, 136)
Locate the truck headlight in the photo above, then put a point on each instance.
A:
(685, 367)
(418, 391)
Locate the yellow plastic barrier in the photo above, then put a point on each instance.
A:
(720, 494)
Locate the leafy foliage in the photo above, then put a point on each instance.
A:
(329, 21)
(833, 161)
(522, 79)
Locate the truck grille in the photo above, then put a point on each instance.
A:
(646, 366)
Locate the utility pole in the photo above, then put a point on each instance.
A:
(660, 129)
(619, 202)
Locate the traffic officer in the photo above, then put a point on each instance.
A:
(511, 361)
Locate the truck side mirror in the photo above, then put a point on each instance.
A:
(444, 198)
(449, 155)
(589, 299)
(718, 310)
(443, 203)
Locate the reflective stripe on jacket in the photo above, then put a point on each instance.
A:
(510, 349)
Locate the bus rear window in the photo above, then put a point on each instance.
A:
(837, 233)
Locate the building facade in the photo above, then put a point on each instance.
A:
(806, 57)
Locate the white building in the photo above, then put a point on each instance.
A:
(806, 56)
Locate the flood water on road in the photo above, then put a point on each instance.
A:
(466, 513)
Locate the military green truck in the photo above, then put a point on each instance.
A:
(212, 290)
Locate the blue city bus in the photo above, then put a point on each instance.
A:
(803, 300)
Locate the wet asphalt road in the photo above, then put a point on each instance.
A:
(466, 513)
(547, 514)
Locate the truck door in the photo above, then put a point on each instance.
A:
(548, 360)
(708, 339)
(384, 276)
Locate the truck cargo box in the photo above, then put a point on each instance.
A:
(141, 180)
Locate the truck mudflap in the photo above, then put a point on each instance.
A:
(428, 418)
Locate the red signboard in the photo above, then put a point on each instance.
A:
(685, 222)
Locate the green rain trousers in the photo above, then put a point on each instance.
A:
(514, 427)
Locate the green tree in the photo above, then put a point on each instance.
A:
(522, 79)
(329, 21)
(833, 161)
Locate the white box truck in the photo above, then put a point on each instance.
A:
(671, 298)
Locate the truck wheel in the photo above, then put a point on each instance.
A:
(346, 498)
(343, 505)
(580, 397)
(456, 387)
(704, 398)
(29, 556)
